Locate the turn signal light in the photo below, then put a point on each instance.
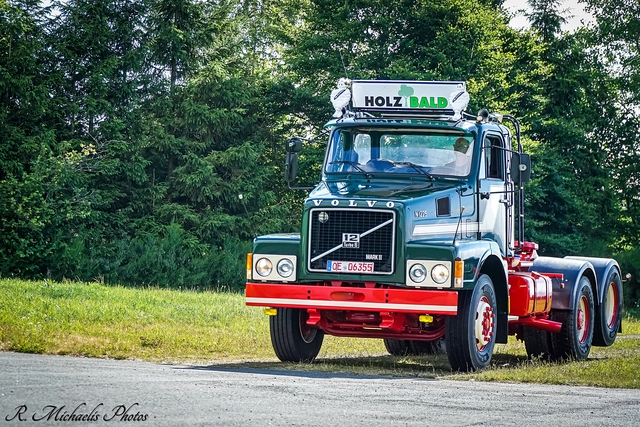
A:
(458, 272)
(271, 311)
(249, 265)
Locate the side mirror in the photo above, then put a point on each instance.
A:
(291, 167)
(520, 168)
(293, 145)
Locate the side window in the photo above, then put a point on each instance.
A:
(494, 157)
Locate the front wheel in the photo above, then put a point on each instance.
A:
(292, 339)
(470, 335)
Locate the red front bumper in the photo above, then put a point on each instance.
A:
(423, 301)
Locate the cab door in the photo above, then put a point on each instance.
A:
(495, 201)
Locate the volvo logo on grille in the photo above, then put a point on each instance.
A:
(351, 203)
(323, 217)
(351, 240)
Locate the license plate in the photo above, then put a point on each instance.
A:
(350, 266)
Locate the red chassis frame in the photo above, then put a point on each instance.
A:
(361, 311)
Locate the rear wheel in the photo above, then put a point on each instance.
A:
(575, 339)
(470, 335)
(397, 347)
(292, 339)
(609, 312)
(537, 342)
(414, 347)
(428, 347)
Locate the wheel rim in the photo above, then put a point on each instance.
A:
(484, 323)
(582, 320)
(307, 333)
(611, 307)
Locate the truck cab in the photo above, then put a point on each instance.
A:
(414, 235)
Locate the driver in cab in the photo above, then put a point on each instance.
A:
(461, 163)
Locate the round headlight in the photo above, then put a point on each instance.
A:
(285, 267)
(440, 274)
(264, 267)
(417, 273)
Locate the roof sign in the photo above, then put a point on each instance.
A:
(414, 97)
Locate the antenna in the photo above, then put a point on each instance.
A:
(241, 198)
(345, 68)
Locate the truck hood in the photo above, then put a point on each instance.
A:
(398, 190)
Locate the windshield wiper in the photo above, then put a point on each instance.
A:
(415, 167)
(356, 165)
(413, 187)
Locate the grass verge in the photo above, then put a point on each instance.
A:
(88, 319)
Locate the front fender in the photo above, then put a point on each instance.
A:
(475, 256)
(278, 244)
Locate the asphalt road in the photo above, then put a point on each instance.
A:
(37, 389)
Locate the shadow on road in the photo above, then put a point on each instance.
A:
(421, 367)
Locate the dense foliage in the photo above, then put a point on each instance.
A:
(130, 128)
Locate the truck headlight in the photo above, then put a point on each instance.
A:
(264, 267)
(274, 268)
(439, 274)
(418, 273)
(285, 267)
(425, 273)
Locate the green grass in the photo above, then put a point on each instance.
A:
(88, 319)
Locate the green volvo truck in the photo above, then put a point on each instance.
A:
(415, 235)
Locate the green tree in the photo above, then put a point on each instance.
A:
(572, 204)
(26, 134)
(615, 40)
(96, 171)
(426, 40)
(616, 43)
(546, 18)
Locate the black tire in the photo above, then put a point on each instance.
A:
(609, 312)
(537, 343)
(424, 348)
(575, 339)
(414, 347)
(292, 339)
(470, 335)
(397, 347)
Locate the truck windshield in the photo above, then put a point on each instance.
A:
(399, 152)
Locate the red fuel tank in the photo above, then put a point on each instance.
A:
(529, 293)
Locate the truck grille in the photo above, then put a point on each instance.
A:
(352, 235)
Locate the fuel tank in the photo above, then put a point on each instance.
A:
(529, 293)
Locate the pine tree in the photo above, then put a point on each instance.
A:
(27, 112)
